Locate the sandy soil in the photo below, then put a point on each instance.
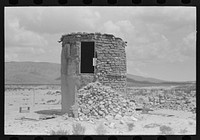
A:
(157, 122)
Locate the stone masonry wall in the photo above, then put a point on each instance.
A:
(110, 68)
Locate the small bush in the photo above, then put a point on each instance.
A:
(166, 130)
(183, 131)
(152, 125)
(130, 126)
(59, 132)
(190, 123)
(101, 130)
(78, 129)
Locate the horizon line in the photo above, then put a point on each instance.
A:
(127, 73)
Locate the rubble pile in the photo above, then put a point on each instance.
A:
(178, 103)
(185, 101)
(98, 101)
(167, 99)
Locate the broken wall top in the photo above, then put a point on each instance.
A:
(82, 36)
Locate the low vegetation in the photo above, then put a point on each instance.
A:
(78, 129)
(190, 123)
(59, 132)
(101, 130)
(152, 125)
(183, 131)
(130, 126)
(166, 130)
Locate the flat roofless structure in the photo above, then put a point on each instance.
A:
(87, 57)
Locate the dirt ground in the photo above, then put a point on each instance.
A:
(43, 104)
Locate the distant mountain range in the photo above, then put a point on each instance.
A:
(49, 73)
(31, 73)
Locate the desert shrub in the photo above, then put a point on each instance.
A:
(78, 129)
(166, 130)
(190, 123)
(101, 130)
(183, 131)
(130, 126)
(59, 132)
(152, 125)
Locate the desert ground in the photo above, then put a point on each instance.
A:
(172, 111)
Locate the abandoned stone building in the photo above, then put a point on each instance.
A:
(89, 57)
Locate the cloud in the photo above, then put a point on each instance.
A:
(190, 40)
(135, 67)
(159, 35)
(11, 57)
(156, 36)
(172, 17)
(56, 20)
(188, 45)
(90, 18)
(18, 53)
(149, 38)
(159, 51)
(122, 28)
(19, 36)
(111, 28)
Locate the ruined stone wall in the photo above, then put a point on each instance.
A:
(111, 58)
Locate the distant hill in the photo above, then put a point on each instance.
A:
(31, 73)
(49, 73)
(137, 81)
(142, 79)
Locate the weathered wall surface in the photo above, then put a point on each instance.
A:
(111, 63)
(67, 80)
(111, 58)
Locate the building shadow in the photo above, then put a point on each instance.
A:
(50, 112)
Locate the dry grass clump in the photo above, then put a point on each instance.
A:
(152, 125)
(166, 130)
(78, 129)
(190, 123)
(183, 131)
(101, 130)
(59, 132)
(130, 126)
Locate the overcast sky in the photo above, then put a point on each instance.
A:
(161, 41)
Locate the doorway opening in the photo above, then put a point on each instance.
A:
(87, 55)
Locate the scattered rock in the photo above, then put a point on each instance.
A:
(110, 125)
(117, 117)
(109, 117)
(176, 98)
(122, 122)
(133, 118)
